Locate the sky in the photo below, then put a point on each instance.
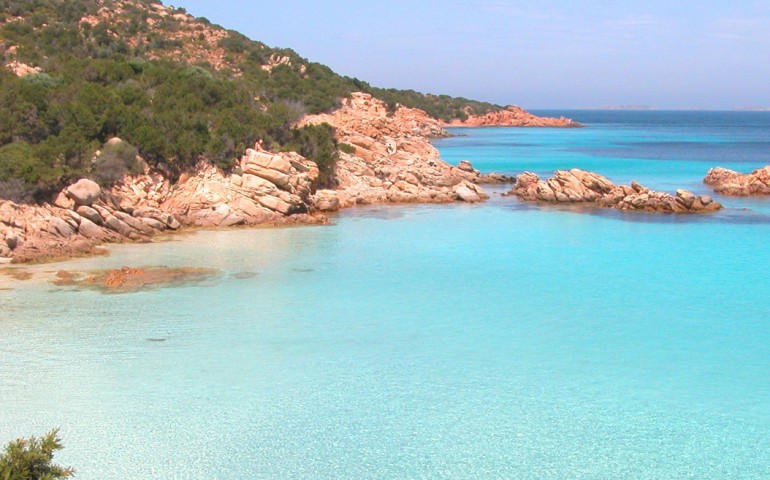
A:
(536, 54)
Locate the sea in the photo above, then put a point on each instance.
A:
(499, 340)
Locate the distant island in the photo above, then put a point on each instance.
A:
(628, 107)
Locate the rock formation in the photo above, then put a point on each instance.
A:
(513, 116)
(393, 159)
(729, 182)
(578, 186)
(22, 69)
(272, 188)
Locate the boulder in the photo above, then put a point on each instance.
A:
(466, 166)
(12, 240)
(89, 229)
(116, 225)
(84, 192)
(470, 193)
(63, 201)
(90, 214)
(275, 203)
(153, 223)
(280, 179)
(60, 227)
(465, 194)
(326, 201)
(134, 223)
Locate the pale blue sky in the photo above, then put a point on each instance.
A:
(537, 54)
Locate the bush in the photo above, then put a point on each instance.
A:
(17, 190)
(18, 161)
(117, 159)
(32, 459)
(317, 143)
(347, 148)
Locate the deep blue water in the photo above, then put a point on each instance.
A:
(503, 340)
(662, 149)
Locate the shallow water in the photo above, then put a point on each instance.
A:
(502, 340)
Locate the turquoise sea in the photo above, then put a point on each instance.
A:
(503, 340)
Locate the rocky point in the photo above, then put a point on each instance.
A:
(393, 159)
(513, 116)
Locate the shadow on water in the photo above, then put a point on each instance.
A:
(731, 216)
(732, 153)
(380, 212)
(303, 270)
(245, 275)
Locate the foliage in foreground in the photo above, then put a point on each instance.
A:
(32, 459)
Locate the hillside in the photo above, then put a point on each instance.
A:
(174, 87)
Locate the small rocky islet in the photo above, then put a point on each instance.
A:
(731, 183)
(579, 186)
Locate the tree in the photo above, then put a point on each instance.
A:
(32, 459)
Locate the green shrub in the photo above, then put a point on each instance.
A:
(116, 160)
(18, 161)
(347, 148)
(317, 143)
(32, 459)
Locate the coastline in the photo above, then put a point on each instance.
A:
(389, 160)
(392, 161)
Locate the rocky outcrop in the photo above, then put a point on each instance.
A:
(512, 116)
(22, 69)
(270, 188)
(578, 186)
(392, 159)
(732, 183)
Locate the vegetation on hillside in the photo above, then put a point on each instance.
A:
(176, 89)
(442, 107)
(32, 459)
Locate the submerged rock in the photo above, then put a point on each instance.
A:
(245, 275)
(126, 279)
(16, 274)
(578, 186)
